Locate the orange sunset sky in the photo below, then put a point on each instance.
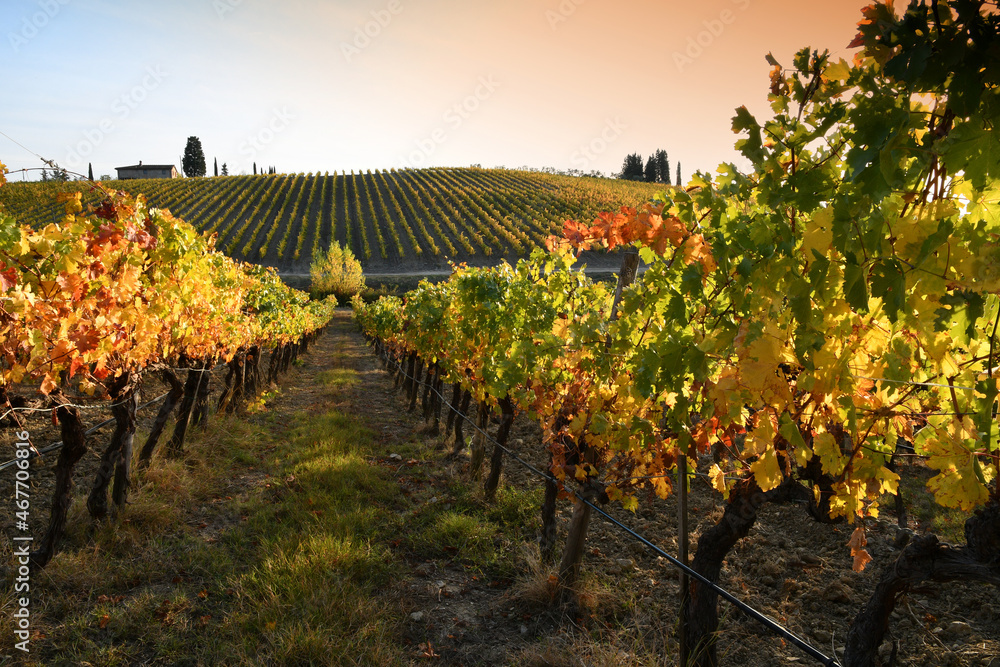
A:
(324, 85)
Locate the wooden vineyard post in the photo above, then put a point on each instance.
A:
(174, 395)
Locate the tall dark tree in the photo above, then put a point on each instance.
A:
(649, 174)
(254, 168)
(662, 167)
(678, 183)
(632, 168)
(225, 169)
(215, 161)
(90, 171)
(193, 162)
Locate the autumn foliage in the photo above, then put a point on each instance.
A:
(123, 287)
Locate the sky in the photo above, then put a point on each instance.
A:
(338, 85)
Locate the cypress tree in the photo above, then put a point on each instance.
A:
(649, 174)
(662, 167)
(193, 162)
(632, 168)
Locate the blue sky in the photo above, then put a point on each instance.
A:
(325, 85)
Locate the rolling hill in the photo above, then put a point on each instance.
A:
(394, 221)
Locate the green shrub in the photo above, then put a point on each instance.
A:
(336, 272)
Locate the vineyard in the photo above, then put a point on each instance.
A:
(98, 302)
(392, 221)
(798, 331)
(820, 335)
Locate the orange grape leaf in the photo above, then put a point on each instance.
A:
(576, 233)
(8, 279)
(49, 384)
(857, 544)
(72, 283)
(86, 340)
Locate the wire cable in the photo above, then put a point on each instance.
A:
(58, 445)
(760, 617)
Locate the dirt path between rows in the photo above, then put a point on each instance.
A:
(790, 567)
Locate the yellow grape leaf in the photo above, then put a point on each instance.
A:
(762, 437)
(717, 477)
(826, 448)
(957, 486)
(790, 432)
(818, 235)
(25, 243)
(838, 71)
(766, 471)
(857, 544)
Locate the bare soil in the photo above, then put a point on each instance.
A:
(791, 568)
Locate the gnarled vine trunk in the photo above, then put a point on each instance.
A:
(463, 410)
(479, 441)
(547, 537)
(456, 395)
(503, 433)
(701, 615)
(74, 447)
(117, 458)
(925, 559)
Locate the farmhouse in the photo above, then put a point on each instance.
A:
(147, 171)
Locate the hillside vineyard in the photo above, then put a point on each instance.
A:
(387, 218)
